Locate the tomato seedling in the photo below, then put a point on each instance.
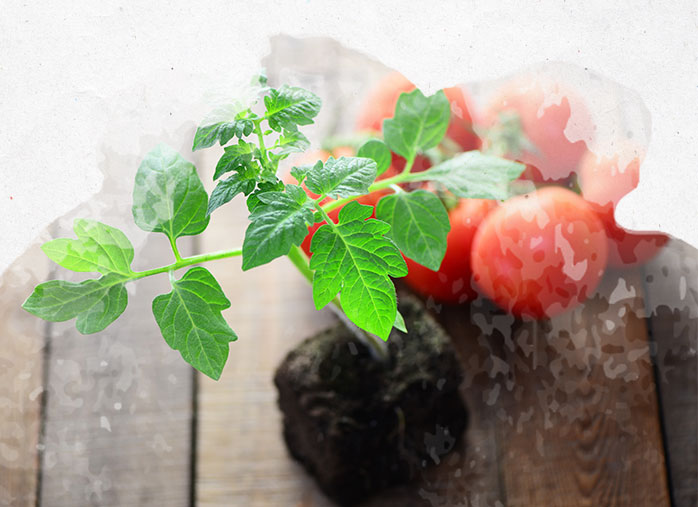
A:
(354, 257)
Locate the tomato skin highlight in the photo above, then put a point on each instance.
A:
(452, 283)
(544, 124)
(604, 181)
(540, 254)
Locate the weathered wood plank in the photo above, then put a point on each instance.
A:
(578, 417)
(119, 403)
(119, 408)
(241, 457)
(21, 361)
(671, 281)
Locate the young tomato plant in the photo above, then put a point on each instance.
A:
(354, 257)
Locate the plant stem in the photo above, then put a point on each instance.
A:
(375, 187)
(173, 243)
(260, 138)
(300, 260)
(188, 261)
(409, 164)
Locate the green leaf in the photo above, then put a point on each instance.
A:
(168, 195)
(419, 123)
(291, 142)
(419, 225)
(344, 177)
(227, 189)
(277, 223)
(191, 322)
(356, 259)
(96, 302)
(236, 158)
(207, 135)
(99, 248)
(376, 150)
(474, 175)
(261, 78)
(399, 323)
(290, 106)
(300, 172)
(262, 187)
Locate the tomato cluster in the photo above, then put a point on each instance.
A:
(536, 254)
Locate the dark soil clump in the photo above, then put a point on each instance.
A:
(359, 425)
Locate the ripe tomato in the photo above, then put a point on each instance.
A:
(543, 121)
(604, 181)
(452, 282)
(380, 104)
(312, 156)
(540, 254)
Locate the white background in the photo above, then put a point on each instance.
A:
(85, 79)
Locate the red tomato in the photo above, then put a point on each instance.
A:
(380, 104)
(452, 282)
(604, 181)
(312, 156)
(541, 253)
(543, 121)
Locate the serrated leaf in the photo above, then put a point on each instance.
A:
(356, 259)
(168, 195)
(399, 323)
(474, 175)
(227, 189)
(222, 132)
(343, 177)
(96, 302)
(290, 106)
(419, 225)
(276, 224)
(377, 151)
(291, 142)
(419, 123)
(190, 320)
(300, 172)
(236, 158)
(262, 187)
(99, 248)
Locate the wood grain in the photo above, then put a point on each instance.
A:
(241, 457)
(119, 407)
(578, 415)
(671, 281)
(21, 360)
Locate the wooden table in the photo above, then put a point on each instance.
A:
(596, 407)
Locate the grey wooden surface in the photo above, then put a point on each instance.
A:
(21, 386)
(671, 281)
(118, 417)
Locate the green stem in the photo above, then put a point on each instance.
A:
(403, 177)
(300, 260)
(173, 243)
(260, 138)
(409, 164)
(188, 261)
